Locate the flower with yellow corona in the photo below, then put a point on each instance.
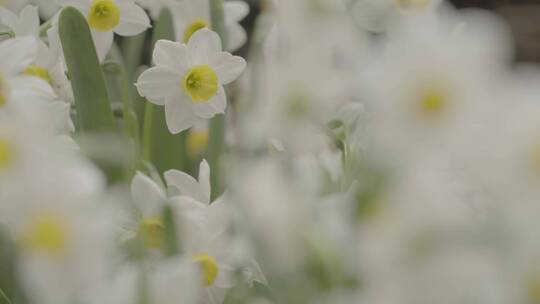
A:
(188, 79)
(109, 17)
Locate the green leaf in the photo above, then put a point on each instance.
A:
(165, 150)
(171, 246)
(92, 103)
(133, 48)
(217, 124)
(118, 88)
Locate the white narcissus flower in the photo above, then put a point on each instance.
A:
(195, 15)
(107, 17)
(188, 79)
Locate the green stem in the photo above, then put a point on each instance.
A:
(45, 27)
(147, 132)
(217, 125)
(132, 48)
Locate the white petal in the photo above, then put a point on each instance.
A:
(81, 5)
(171, 54)
(146, 194)
(204, 180)
(227, 67)
(8, 18)
(209, 109)
(178, 115)
(203, 44)
(28, 22)
(133, 19)
(156, 83)
(31, 88)
(235, 11)
(186, 185)
(226, 277)
(103, 42)
(173, 281)
(236, 37)
(17, 54)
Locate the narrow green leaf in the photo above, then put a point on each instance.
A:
(119, 91)
(215, 150)
(92, 103)
(165, 150)
(133, 49)
(8, 284)
(171, 246)
(94, 115)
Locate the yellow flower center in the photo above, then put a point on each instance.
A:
(432, 102)
(532, 287)
(411, 4)
(152, 232)
(196, 143)
(47, 233)
(193, 27)
(38, 71)
(534, 159)
(208, 267)
(104, 15)
(6, 153)
(4, 91)
(200, 83)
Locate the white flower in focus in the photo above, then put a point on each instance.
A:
(109, 17)
(188, 79)
(195, 15)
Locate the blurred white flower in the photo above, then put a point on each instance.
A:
(48, 64)
(381, 15)
(155, 7)
(427, 99)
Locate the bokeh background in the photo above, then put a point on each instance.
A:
(523, 17)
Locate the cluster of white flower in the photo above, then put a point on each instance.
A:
(375, 151)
